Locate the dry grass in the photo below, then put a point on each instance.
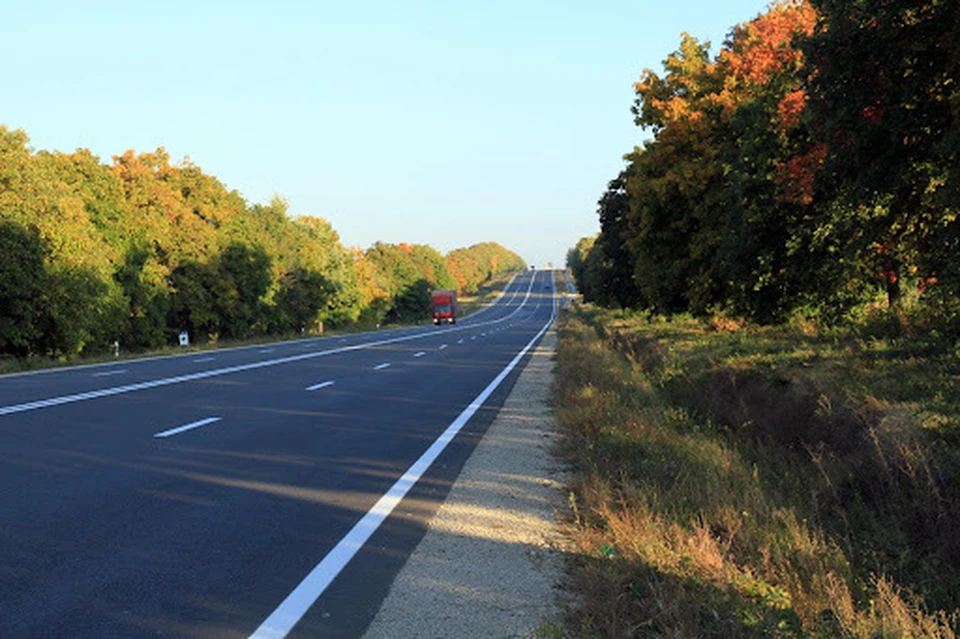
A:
(688, 525)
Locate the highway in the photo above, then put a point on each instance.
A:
(265, 491)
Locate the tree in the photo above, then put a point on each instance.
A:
(21, 286)
(200, 300)
(711, 222)
(247, 273)
(302, 296)
(615, 232)
(147, 300)
(883, 77)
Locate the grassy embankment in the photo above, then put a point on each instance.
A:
(467, 304)
(739, 481)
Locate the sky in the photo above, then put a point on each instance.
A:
(426, 121)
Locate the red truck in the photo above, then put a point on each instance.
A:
(444, 306)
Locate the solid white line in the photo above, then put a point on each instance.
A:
(190, 426)
(380, 367)
(420, 354)
(282, 620)
(216, 372)
(106, 373)
(319, 386)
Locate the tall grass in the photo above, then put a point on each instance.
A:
(692, 519)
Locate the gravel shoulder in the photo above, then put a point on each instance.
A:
(490, 561)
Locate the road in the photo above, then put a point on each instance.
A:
(263, 491)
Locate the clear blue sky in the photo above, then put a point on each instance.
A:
(424, 121)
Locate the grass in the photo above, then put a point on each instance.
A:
(739, 482)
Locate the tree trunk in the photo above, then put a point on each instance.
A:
(891, 275)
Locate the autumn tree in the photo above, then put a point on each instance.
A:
(471, 266)
(883, 97)
(712, 222)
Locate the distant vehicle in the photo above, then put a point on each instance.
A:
(444, 306)
(532, 267)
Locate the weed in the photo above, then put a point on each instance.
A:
(742, 482)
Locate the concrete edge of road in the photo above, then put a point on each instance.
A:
(490, 561)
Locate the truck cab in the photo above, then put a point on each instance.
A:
(444, 303)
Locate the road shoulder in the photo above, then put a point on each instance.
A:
(489, 563)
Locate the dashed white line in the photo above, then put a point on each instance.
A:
(420, 354)
(185, 427)
(265, 350)
(443, 346)
(179, 379)
(107, 373)
(460, 341)
(380, 367)
(200, 360)
(319, 386)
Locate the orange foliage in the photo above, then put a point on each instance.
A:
(366, 278)
(790, 108)
(796, 176)
(757, 52)
(761, 49)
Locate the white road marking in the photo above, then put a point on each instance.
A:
(282, 620)
(108, 373)
(200, 360)
(319, 386)
(266, 350)
(460, 341)
(185, 427)
(380, 367)
(420, 354)
(443, 346)
(216, 372)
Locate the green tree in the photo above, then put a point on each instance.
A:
(147, 300)
(22, 283)
(612, 246)
(200, 301)
(70, 312)
(247, 273)
(302, 297)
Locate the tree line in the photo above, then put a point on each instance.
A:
(809, 166)
(140, 249)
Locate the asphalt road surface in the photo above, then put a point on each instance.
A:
(265, 491)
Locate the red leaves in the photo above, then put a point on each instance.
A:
(873, 114)
(797, 176)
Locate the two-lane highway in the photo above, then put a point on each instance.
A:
(264, 490)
